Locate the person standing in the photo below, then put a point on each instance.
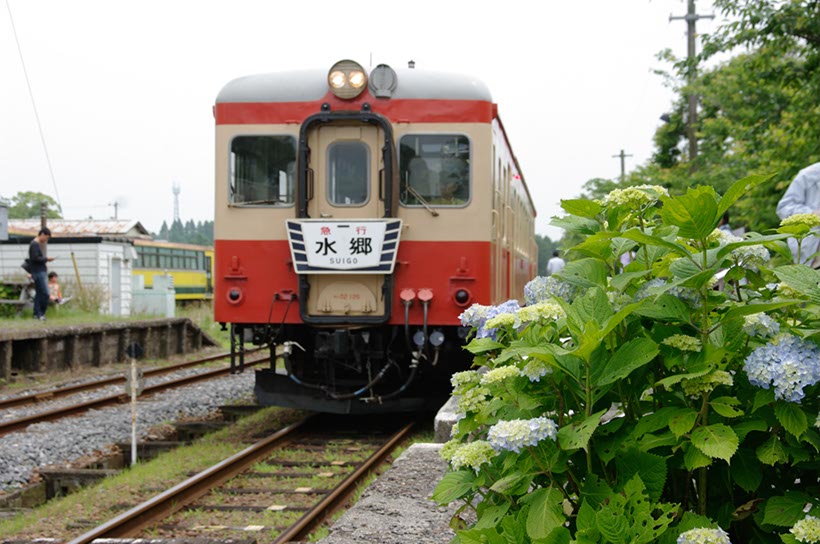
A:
(803, 196)
(39, 272)
(555, 264)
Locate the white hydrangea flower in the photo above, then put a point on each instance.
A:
(518, 433)
(704, 536)
(500, 374)
(807, 530)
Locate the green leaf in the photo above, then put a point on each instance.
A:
(715, 441)
(682, 421)
(572, 223)
(802, 279)
(454, 485)
(725, 406)
(745, 427)
(740, 188)
(763, 397)
(585, 273)
(545, 512)
(772, 452)
(746, 470)
(478, 346)
(785, 511)
(650, 467)
(582, 207)
(695, 213)
(672, 380)
(647, 239)
(613, 524)
(575, 436)
(491, 516)
(792, 417)
(693, 458)
(667, 308)
(510, 482)
(630, 356)
(559, 535)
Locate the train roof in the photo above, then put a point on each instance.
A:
(310, 85)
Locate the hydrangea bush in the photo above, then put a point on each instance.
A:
(671, 399)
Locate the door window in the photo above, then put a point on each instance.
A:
(348, 174)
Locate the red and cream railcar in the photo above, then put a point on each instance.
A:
(357, 215)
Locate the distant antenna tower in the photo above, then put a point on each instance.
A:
(176, 190)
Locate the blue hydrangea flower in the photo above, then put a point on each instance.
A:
(547, 288)
(518, 433)
(509, 307)
(788, 364)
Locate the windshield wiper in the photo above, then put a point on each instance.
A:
(255, 202)
(421, 200)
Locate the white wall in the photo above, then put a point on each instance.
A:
(93, 264)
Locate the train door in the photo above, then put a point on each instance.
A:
(347, 167)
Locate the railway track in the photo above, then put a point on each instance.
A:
(265, 501)
(109, 400)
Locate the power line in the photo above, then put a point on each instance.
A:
(34, 106)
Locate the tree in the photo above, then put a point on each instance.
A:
(163, 231)
(26, 204)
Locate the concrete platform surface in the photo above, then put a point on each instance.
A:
(396, 508)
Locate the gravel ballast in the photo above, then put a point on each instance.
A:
(69, 439)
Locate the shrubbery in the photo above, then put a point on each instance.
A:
(670, 399)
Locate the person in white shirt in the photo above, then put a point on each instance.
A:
(555, 264)
(803, 196)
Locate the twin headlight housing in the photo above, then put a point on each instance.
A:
(347, 79)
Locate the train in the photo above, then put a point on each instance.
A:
(190, 265)
(357, 215)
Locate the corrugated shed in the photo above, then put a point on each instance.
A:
(127, 228)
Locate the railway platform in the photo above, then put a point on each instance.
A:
(67, 347)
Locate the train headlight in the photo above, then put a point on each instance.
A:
(234, 295)
(347, 79)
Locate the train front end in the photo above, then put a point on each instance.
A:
(350, 234)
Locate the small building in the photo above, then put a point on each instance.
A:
(103, 263)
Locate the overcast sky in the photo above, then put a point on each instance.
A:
(124, 90)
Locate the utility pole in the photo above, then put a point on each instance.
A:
(116, 205)
(691, 18)
(623, 167)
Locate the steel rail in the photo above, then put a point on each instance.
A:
(58, 413)
(40, 396)
(142, 516)
(333, 500)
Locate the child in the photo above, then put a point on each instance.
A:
(55, 295)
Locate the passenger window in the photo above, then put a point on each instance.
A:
(434, 169)
(262, 170)
(348, 173)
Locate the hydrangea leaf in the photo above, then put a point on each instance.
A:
(453, 485)
(630, 356)
(695, 213)
(483, 345)
(725, 406)
(772, 452)
(792, 417)
(786, 510)
(582, 207)
(546, 513)
(740, 188)
(715, 441)
(650, 467)
(801, 278)
(746, 470)
(682, 421)
(577, 435)
(491, 516)
(666, 307)
(585, 273)
(693, 458)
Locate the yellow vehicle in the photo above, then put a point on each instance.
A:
(190, 265)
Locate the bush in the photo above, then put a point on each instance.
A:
(670, 399)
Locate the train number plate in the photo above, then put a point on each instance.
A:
(363, 246)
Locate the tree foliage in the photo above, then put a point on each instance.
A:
(199, 233)
(759, 111)
(26, 204)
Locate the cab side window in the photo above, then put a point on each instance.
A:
(434, 169)
(262, 170)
